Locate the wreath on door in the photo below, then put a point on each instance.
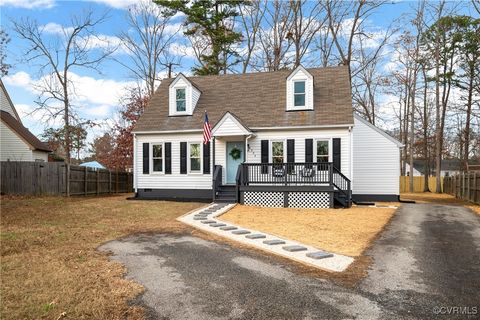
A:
(235, 153)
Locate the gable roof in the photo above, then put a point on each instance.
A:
(9, 101)
(383, 133)
(240, 127)
(23, 132)
(258, 100)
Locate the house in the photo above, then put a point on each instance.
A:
(283, 138)
(17, 143)
(92, 164)
(449, 167)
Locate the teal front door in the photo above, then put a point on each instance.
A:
(235, 156)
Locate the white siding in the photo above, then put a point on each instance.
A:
(376, 162)
(195, 97)
(5, 104)
(39, 156)
(229, 128)
(12, 147)
(174, 180)
(254, 154)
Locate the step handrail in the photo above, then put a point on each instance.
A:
(344, 186)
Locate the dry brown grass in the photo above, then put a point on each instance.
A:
(345, 231)
(50, 264)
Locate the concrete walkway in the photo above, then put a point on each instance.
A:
(205, 219)
(426, 265)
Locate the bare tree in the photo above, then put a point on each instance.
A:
(251, 17)
(73, 47)
(344, 25)
(147, 42)
(273, 37)
(304, 26)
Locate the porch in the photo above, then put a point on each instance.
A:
(302, 185)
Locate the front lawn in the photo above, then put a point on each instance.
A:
(50, 268)
(346, 231)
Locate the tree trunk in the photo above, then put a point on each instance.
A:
(469, 113)
(438, 133)
(412, 123)
(426, 156)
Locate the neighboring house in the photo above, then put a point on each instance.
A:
(17, 143)
(92, 164)
(449, 167)
(284, 138)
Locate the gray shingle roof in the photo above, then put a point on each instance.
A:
(257, 99)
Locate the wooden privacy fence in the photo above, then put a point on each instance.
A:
(58, 178)
(419, 183)
(464, 186)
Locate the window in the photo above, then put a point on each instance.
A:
(277, 152)
(157, 157)
(322, 151)
(181, 101)
(299, 94)
(195, 157)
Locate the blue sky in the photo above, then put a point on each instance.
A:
(100, 93)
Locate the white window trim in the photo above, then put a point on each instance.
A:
(163, 158)
(270, 153)
(201, 158)
(305, 82)
(329, 148)
(175, 111)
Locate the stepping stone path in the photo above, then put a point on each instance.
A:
(228, 228)
(255, 236)
(215, 225)
(319, 255)
(294, 248)
(241, 232)
(290, 249)
(273, 242)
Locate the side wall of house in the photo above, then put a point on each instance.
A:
(376, 165)
(12, 147)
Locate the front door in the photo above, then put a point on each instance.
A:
(235, 156)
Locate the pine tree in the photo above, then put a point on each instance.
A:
(212, 20)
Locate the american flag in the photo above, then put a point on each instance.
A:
(207, 131)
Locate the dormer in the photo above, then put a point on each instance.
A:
(299, 90)
(183, 96)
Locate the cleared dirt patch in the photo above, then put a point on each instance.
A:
(49, 261)
(345, 231)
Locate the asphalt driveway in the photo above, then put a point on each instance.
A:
(426, 265)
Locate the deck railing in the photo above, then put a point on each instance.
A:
(305, 173)
(295, 174)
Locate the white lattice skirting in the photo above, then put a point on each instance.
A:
(294, 199)
(309, 199)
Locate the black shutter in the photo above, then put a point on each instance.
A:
(168, 157)
(264, 155)
(308, 152)
(290, 154)
(337, 162)
(206, 158)
(146, 158)
(183, 157)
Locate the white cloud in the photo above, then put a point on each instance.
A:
(117, 4)
(19, 79)
(103, 41)
(55, 28)
(181, 50)
(100, 111)
(28, 4)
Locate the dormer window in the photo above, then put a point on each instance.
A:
(181, 99)
(183, 96)
(299, 90)
(299, 94)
